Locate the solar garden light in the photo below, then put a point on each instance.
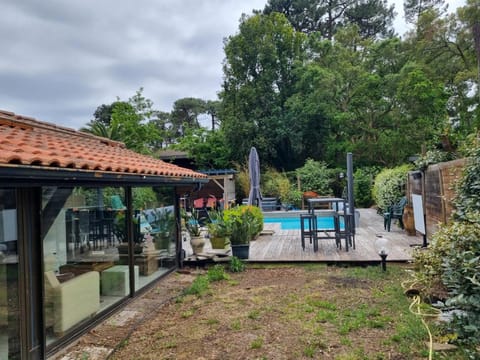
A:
(382, 247)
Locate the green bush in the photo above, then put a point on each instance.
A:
(275, 183)
(461, 276)
(454, 256)
(467, 201)
(432, 157)
(217, 273)
(389, 186)
(315, 176)
(362, 186)
(236, 265)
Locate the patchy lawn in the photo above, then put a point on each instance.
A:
(286, 312)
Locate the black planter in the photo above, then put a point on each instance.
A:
(241, 251)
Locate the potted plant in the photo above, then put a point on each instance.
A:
(219, 230)
(194, 229)
(163, 228)
(245, 223)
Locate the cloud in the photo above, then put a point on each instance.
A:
(61, 59)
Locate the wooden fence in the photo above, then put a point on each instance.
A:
(437, 187)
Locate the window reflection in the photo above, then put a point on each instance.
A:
(86, 258)
(9, 307)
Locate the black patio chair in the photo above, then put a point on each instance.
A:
(394, 211)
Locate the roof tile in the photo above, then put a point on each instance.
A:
(26, 141)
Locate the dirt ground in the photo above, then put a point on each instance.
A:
(262, 313)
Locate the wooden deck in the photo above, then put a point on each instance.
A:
(285, 245)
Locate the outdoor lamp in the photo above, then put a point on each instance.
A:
(381, 244)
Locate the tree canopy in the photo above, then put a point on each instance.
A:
(316, 79)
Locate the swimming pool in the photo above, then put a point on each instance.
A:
(293, 223)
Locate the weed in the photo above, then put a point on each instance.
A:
(309, 351)
(325, 316)
(322, 304)
(236, 325)
(170, 344)
(236, 265)
(212, 321)
(257, 343)
(254, 315)
(199, 286)
(85, 356)
(188, 313)
(217, 273)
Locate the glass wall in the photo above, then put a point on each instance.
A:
(86, 249)
(9, 304)
(82, 229)
(155, 232)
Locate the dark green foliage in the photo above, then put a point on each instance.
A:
(315, 176)
(362, 186)
(467, 202)
(373, 17)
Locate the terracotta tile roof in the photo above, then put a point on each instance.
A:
(27, 141)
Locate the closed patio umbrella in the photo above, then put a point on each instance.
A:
(255, 196)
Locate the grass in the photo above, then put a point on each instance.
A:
(346, 313)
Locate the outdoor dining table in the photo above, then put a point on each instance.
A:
(334, 210)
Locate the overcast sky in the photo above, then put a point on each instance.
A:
(61, 59)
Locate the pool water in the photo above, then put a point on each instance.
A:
(293, 223)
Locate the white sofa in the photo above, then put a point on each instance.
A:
(68, 303)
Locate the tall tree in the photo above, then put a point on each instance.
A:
(414, 8)
(373, 17)
(259, 78)
(130, 122)
(185, 114)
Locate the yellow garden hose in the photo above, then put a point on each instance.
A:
(415, 308)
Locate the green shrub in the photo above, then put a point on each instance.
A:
(199, 286)
(432, 157)
(461, 276)
(362, 186)
(467, 201)
(275, 183)
(217, 273)
(315, 176)
(454, 256)
(389, 186)
(236, 265)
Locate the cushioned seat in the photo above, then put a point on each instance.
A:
(70, 302)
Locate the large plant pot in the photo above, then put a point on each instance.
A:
(408, 220)
(197, 242)
(219, 242)
(241, 250)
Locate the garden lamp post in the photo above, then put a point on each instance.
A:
(382, 247)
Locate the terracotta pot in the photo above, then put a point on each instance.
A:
(408, 220)
(197, 242)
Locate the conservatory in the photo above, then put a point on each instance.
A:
(85, 225)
